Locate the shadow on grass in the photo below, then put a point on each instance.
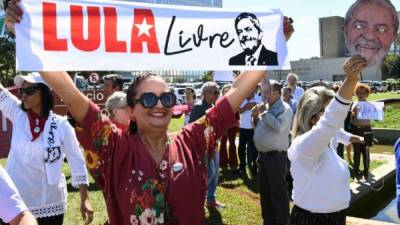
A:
(251, 183)
(228, 176)
(229, 179)
(92, 187)
(214, 217)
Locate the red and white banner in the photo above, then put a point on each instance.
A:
(110, 35)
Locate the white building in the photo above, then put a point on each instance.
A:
(325, 69)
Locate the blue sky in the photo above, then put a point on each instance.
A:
(305, 13)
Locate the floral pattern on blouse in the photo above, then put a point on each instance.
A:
(92, 159)
(150, 207)
(209, 136)
(100, 131)
(139, 190)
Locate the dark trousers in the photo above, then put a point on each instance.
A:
(272, 171)
(246, 142)
(289, 180)
(300, 216)
(52, 220)
(360, 149)
(230, 158)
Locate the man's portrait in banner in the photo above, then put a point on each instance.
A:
(370, 27)
(250, 36)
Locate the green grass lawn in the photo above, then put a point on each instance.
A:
(385, 95)
(391, 117)
(240, 194)
(176, 125)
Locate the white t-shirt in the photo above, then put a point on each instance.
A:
(245, 117)
(11, 204)
(298, 93)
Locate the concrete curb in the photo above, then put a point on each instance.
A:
(359, 221)
(386, 136)
(366, 197)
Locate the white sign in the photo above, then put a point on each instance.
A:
(223, 75)
(114, 35)
(370, 110)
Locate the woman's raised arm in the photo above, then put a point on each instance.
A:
(64, 87)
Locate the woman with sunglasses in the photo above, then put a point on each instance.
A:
(40, 141)
(148, 176)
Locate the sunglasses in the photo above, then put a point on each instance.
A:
(149, 100)
(28, 90)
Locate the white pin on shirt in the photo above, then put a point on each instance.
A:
(177, 167)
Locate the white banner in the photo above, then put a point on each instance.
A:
(110, 35)
(370, 110)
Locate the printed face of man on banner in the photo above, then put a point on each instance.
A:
(250, 38)
(370, 28)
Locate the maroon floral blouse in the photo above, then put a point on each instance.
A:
(137, 190)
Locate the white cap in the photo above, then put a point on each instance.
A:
(33, 78)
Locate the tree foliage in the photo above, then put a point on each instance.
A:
(208, 76)
(391, 66)
(7, 60)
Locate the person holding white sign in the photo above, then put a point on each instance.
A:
(148, 176)
(359, 127)
(321, 191)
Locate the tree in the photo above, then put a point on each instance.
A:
(208, 76)
(7, 60)
(391, 66)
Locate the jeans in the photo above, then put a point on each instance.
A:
(213, 175)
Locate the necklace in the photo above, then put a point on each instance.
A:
(37, 128)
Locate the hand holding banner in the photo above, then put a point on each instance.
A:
(107, 35)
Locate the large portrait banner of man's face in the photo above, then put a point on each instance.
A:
(370, 29)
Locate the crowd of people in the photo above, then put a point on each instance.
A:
(290, 139)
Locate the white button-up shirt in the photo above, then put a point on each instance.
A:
(26, 165)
